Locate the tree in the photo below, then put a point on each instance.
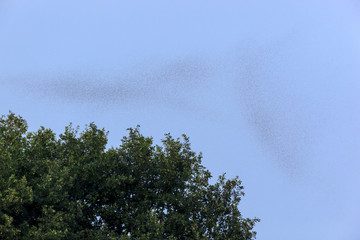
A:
(72, 187)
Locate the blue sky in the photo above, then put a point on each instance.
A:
(267, 90)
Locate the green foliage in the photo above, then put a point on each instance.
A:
(71, 187)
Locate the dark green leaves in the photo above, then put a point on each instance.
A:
(71, 187)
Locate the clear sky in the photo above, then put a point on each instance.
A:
(267, 90)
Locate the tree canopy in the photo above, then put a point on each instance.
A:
(72, 187)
